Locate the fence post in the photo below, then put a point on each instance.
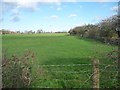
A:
(95, 74)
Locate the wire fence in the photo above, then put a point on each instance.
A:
(94, 75)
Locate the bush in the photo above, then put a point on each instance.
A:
(16, 70)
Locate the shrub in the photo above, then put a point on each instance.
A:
(16, 70)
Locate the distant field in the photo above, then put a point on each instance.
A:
(59, 49)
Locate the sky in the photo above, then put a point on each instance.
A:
(53, 15)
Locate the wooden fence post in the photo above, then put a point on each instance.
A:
(95, 74)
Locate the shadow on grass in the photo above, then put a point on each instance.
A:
(77, 60)
(95, 40)
(90, 39)
(65, 61)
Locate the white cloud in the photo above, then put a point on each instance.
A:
(33, 4)
(15, 14)
(79, 24)
(57, 1)
(15, 18)
(115, 13)
(97, 17)
(1, 9)
(54, 17)
(30, 4)
(102, 0)
(72, 15)
(115, 8)
(14, 6)
(1, 19)
(59, 8)
(15, 11)
(70, 0)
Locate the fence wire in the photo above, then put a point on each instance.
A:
(55, 73)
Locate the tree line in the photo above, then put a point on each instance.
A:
(4, 31)
(105, 30)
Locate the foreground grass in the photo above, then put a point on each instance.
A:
(59, 49)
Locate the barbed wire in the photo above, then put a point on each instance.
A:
(68, 72)
(107, 67)
(53, 65)
(77, 72)
(101, 70)
(66, 80)
(89, 73)
(64, 65)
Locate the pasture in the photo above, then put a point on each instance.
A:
(62, 50)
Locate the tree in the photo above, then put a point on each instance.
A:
(108, 27)
(39, 31)
(18, 32)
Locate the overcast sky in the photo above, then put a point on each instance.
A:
(53, 15)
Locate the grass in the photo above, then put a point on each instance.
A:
(58, 49)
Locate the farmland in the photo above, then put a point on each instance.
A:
(59, 49)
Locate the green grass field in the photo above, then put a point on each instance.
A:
(59, 49)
